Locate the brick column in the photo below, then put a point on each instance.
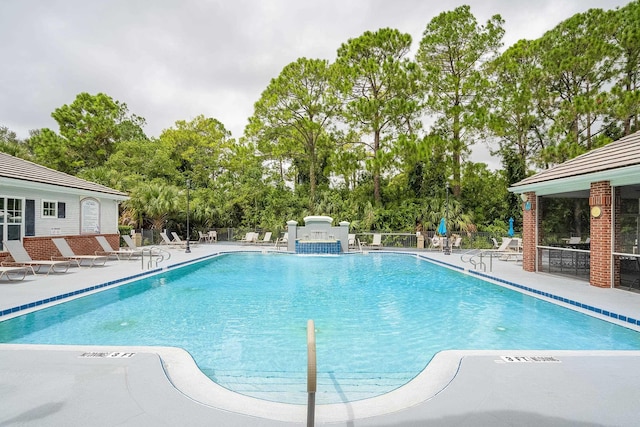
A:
(529, 236)
(600, 271)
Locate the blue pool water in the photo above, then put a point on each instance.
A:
(380, 319)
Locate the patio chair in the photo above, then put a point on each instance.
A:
(120, 254)
(282, 240)
(10, 273)
(203, 237)
(178, 240)
(456, 243)
(21, 258)
(167, 241)
(435, 242)
(377, 241)
(354, 242)
(266, 238)
(130, 243)
(67, 254)
(213, 236)
(250, 237)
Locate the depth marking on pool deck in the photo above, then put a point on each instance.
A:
(112, 355)
(528, 359)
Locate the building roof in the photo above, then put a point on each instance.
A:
(14, 168)
(611, 162)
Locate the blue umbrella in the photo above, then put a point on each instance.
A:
(510, 232)
(442, 228)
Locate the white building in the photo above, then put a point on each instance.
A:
(37, 203)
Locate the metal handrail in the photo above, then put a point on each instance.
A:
(476, 258)
(311, 373)
(156, 253)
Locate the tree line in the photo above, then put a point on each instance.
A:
(374, 136)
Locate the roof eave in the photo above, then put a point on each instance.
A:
(64, 189)
(617, 177)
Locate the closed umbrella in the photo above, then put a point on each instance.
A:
(511, 232)
(442, 228)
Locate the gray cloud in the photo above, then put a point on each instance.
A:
(173, 60)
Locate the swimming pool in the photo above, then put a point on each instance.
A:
(380, 318)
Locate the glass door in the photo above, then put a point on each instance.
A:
(11, 219)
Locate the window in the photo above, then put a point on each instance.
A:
(49, 209)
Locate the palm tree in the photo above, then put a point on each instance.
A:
(153, 202)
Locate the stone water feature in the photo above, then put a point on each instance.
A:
(317, 236)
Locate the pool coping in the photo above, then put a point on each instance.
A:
(185, 376)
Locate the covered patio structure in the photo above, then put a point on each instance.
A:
(608, 178)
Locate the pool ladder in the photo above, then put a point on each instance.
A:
(311, 373)
(477, 259)
(154, 255)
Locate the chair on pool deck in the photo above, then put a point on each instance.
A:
(22, 258)
(250, 237)
(377, 242)
(130, 243)
(167, 241)
(284, 240)
(67, 254)
(13, 274)
(266, 238)
(107, 250)
(179, 241)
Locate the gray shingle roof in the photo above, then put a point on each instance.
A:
(16, 168)
(618, 154)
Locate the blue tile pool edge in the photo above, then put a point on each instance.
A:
(597, 310)
(64, 296)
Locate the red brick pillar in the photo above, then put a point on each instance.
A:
(600, 205)
(529, 235)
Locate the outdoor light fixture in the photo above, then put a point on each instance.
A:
(188, 250)
(524, 197)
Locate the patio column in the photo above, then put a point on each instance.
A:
(529, 231)
(601, 226)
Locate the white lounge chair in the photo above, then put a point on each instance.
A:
(167, 241)
(22, 258)
(354, 242)
(13, 273)
(179, 241)
(130, 243)
(250, 237)
(67, 254)
(284, 240)
(266, 238)
(377, 242)
(107, 250)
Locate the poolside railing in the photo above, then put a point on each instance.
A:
(311, 372)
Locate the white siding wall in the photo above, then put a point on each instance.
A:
(70, 225)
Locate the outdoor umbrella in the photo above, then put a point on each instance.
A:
(510, 232)
(442, 228)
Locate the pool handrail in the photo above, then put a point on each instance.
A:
(154, 252)
(311, 372)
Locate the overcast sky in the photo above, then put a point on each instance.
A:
(174, 60)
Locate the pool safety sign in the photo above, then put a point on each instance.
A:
(528, 359)
(111, 355)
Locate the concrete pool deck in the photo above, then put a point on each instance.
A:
(148, 386)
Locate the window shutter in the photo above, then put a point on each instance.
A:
(30, 218)
(62, 210)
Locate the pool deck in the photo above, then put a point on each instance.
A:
(150, 386)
